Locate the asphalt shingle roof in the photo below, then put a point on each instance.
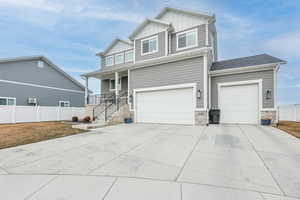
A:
(245, 62)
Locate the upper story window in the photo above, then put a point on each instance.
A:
(187, 39)
(119, 58)
(149, 45)
(128, 56)
(109, 61)
(7, 101)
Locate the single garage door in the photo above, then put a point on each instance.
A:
(173, 106)
(239, 104)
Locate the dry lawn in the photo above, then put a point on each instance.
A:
(292, 128)
(25, 133)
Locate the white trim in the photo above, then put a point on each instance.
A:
(209, 92)
(250, 82)
(166, 43)
(119, 54)
(254, 68)
(268, 109)
(134, 51)
(169, 87)
(186, 32)
(40, 86)
(59, 102)
(201, 109)
(149, 38)
(206, 34)
(205, 75)
(7, 98)
(108, 57)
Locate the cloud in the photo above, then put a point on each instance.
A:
(77, 70)
(36, 4)
(287, 44)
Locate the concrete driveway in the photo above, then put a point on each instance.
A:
(151, 161)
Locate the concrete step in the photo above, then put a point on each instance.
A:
(88, 126)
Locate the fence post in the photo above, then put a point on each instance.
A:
(295, 112)
(13, 114)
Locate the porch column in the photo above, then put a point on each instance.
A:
(116, 86)
(86, 91)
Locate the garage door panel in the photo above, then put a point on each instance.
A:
(239, 104)
(165, 106)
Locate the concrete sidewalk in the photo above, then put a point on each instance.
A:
(151, 161)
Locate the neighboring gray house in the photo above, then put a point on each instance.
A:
(170, 72)
(36, 80)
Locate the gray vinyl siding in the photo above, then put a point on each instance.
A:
(201, 38)
(179, 72)
(29, 72)
(45, 97)
(161, 48)
(103, 59)
(105, 86)
(267, 84)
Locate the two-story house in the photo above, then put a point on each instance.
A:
(170, 73)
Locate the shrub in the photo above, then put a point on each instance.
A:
(87, 119)
(75, 119)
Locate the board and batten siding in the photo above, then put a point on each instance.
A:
(179, 72)
(161, 51)
(201, 38)
(267, 84)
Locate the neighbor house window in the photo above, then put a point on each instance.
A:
(7, 101)
(112, 84)
(119, 58)
(128, 56)
(187, 39)
(149, 45)
(64, 103)
(109, 61)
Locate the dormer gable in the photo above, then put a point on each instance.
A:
(183, 19)
(116, 46)
(150, 27)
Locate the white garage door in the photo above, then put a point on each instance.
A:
(174, 106)
(239, 104)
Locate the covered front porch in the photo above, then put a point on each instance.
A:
(113, 85)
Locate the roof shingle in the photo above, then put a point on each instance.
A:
(246, 62)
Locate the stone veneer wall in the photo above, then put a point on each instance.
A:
(269, 115)
(201, 118)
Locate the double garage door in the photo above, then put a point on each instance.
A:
(172, 106)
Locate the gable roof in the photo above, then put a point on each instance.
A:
(189, 12)
(46, 60)
(249, 61)
(112, 45)
(146, 22)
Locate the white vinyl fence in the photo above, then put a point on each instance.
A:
(17, 114)
(289, 112)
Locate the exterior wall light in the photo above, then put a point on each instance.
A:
(268, 94)
(199, 94)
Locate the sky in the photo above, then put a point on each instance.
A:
(71, 32)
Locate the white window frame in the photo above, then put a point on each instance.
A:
(68, 102)
(108, 57)
(185, 32)
(119, 54)
(120, 84)
(127, 52)
(149, 38)
(7, 98)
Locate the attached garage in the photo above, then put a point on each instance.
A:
(171, 104)
(239, 102)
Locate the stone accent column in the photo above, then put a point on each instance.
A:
(269, 114)
(201, 118)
